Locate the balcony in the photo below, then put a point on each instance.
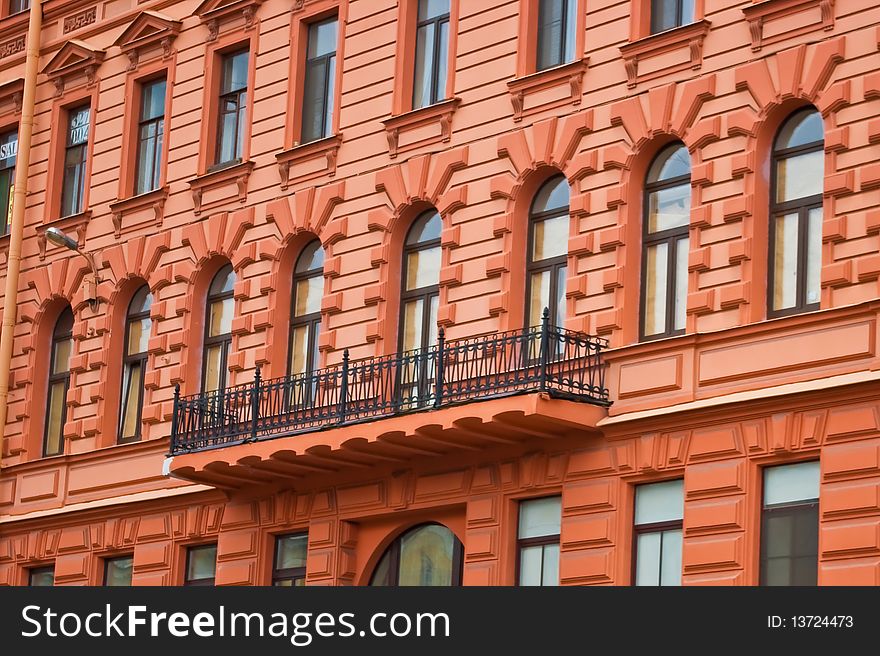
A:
(560, 363)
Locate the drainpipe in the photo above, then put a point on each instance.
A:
(19, 198)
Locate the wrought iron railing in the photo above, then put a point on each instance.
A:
(561, 362)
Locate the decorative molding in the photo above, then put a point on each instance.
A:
(690, 36)
(438, 115)
(154, 200)
(215, 12)
(74, 58)
(760, 13)
(80, 19)
(570, 75)
(314, 151)
(237, 174)
(11, 94)
(12, 47)
(149, 30)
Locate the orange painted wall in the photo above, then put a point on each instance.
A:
(721, 86)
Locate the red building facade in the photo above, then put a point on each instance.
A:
(325, 233)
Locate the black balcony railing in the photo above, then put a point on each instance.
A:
(564, 363)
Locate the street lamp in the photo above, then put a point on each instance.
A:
(59, 238)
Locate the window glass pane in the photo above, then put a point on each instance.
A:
(669, 208)
(558, 318)
(423, 268)
(814, 254)
(412, 325)
(153, 100)
(224, 281)
(673, 162)
(550, 238)
(785, 262)
(442, 62)
(61, 357)
(550, 35)
(670, 562)
(308, 295)
(131, 397)
(202, 563)
(434, 304)
(228, 132)
(291, 551)
(311, 258)
(382, 575)
(322, 38)
(540, 517)
(221, 317)
(299, 349)
(530, 563)
(424, 70)
(804, 127)
(681, 283)
(659, 502)
(432, 9)
(551, 565)
(329, 97)
(78, 126)
(314, 100)
(656, 270)
(42, 577)
(235, 72)
(687, 12)
(8, 149)
(213, 368)
(664, 15)
(539, 296)
(426, 556)
(426, 228)
(554, 195)
(648, 558)
(789, 483)
(54, 418)
(570, 29)
(118, 571)
(800, 176)
(139, 335)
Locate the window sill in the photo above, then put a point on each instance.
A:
(567, 79)
(75, 224)
(151, 200)
(308, 160)
(636, 52)
(237, 174)
(420, 127)
(760, 13)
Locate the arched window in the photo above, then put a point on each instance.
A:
(218, 330)
(796, 214)
(305, 311)
(59, 383)
(429, 554)
(548, 252)
(421, 280)
(419, 300)
(134, 364)
(665, 243)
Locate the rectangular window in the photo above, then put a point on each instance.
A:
(232, 108)
(201, 565)
(320, 80)
(41, 577)
(657, 533)
(75, 157)
(557, 23)
(432, 53)
(117, 571)
(8, 155)
(790, 525)
(669, 14)
(18, 6)
(538, 541)
(151, 136)
(289, 567)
